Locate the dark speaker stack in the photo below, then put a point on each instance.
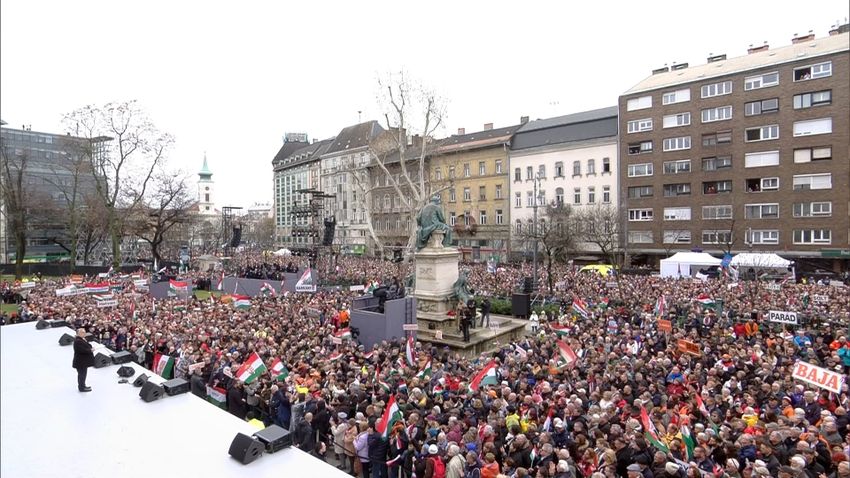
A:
(245, 449)
(521, 305)
(528, 285)
(102, 360)
(59, 323)
(175, 386)
(237, 236)
(66, 339)
(151, 391)
(330, 229)
(122, 357)
(141, 380)
(274, 438)
(42, 324)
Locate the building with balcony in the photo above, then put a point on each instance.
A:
(296, 167)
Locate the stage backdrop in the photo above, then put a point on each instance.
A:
(375, 327)
(249, 287)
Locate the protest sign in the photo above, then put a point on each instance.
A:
(817, 376)
(688, 347)
(782, 317)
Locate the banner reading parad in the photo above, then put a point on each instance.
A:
(819, 377)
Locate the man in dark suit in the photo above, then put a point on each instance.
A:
(83, 359)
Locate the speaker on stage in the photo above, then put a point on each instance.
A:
(66, 339)
(275, 438)
(42, 324)
(141, 380)
(122, 357)
(151, 391)
(237, 236)
(521, 305)
(59, 323)
(245, 449)
(175, 386)
(102, 360)
(125, 371)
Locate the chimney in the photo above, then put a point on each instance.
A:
(800, 39)
(663, 69)
(713, 58)
(461, 131)
(488, 126)
(757, 49)
(838, 29)
(523, 119)
(680, 66)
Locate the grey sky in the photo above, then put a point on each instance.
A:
(231, 78)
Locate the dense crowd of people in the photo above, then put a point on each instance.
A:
(630, 403)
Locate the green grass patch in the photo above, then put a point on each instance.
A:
(205, 294)
(9, 308)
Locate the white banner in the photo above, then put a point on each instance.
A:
(410, 327)
(140, 282)
(336, 340)
(782, 317)
(820, 299)
(305, 283)
(819, 377)
(356, 288)
(774, 286)
(70, 290)
(26, 285)
(107, 303)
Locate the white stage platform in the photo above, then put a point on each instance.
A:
(48, 428)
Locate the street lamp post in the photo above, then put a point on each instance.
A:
(534, 229)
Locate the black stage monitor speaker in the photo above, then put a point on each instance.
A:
(521, 305)
(275, 438)
(176, 386)
(126, 371)
(528, 285)
(141, 380)
(102, 360)
(59, 323)
(66, 339)
(42, 324)
(245, 449)
(122, 357)
(151, 391)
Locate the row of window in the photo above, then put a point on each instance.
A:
(715, 163)
(559, 196)
(725, 237)
(759, 133)
(559, 169)
(800, 182)
(468, 220)
(725, 211)
(720, 88)
(482, 193)
(467, 172)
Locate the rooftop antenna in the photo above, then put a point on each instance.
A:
(358, 115)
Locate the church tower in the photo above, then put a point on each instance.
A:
(206, 200)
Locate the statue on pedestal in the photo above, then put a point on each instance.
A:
(431, 219)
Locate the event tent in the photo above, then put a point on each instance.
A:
(681, 263)
(761, 259)
(283, 252)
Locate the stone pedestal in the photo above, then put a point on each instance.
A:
(436, 272)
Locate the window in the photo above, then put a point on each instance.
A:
(467, 218)
(482, 218)
(606, 163)
(811, 72)
(676, 144)
(813, 209)
(498, 191)
(765, 158)
(678, 96)
(482, 193)
(813, 181)
(518, 226)
(576, 195)
(576, 168)
(467, 194)
(517, 199)
(639, 125)
(716, 237)
(559, 169)
(591, 195)
(710, 213)
(529, 173)
(812, 236)
(761, 211)
(517, 174)
(438, 174)
(757, 185)
(716, 114)
(680, 189)
(637, 192)
(809, 100)
(761, 81)
(500, 217)
(677, 167)
(805, 155)
(720, 137)
(677, 214)
(640, 103)
(529, 198)
(451, 172)
(681, 236)
(606, 194)
(761, 107)
(813, 127)
(715, 163)
(638, 170)
(716, 89)
(541, 198)
(640, 237)
(591, 167)
(541, 171)
(716, 187)
(762, 133)
(452, 196)
(207, 197)
(640, 148)
(559, 196)
(452, 218)
(640, 214)
(761, 236)
(675, 120)
(466, 170)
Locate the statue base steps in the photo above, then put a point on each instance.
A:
(502, 330)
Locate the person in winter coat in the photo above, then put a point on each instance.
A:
(490, 469)
(83, 359)
(473, 467)
(397, 450)
(282, 408)
(350, 453)
(339, 425)
(377, 453)
(304, 434)
(361, 446)
(455, 466)
(236, 403)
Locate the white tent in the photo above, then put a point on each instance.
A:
(764, 259)
(283, 252)
(681, 263)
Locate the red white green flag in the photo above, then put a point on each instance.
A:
(410, 352)
(344, 334)
(487, 376)
(650, 432)
(561, 330)
(391, 415)
(279, 371)
(567, 356)
(426, 371)
(251, 369)
(163, 365)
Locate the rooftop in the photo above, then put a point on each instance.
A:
(795, 52)
(478, 139)
(581, 117)
(356, 136)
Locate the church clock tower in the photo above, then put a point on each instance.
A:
(206, 200)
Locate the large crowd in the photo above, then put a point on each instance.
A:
(631, 404)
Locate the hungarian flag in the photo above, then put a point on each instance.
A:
(344, 334)
(487, 376)
(568, 357)
(520, 351)
(704, 299)
(241, 301)
(279, 371)
(163, 365)
(701, 406)
(97, 287)
(580, 308)
(561, 330)
(335, 356)
(391, 415)
(689, 441)
(217, 396)
(251, 369)
(133, 310)
(177, 286)
(268, 289)
(650, 432)
(368, 355)
(425, 372)
(661, 307)
(220, 285)
(410, 352)
(401, 385)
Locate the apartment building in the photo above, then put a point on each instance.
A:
(741, 154)
(296, 167)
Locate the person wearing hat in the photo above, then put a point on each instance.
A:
(83, 359)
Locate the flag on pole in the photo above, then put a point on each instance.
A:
(661, 307)
(133, 310)
(487, 376)
(426, 371)
(560, 330)
(268, 289)
(163, 365)
(251, 369)
(344, 334)
(392, 414)
(220, 285)
(279, 370)
(241, 302)
(410, 352)
(689, 441)
(701, 406)
(704, 299)
(521, 352)
(650, 432)
(566, 353)
(580, 308)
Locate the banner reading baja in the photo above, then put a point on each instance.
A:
(306, 283)
(819, 377)
(688, 347)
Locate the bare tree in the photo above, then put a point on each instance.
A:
(16, 198)
(556, 233)
(124, 148)
(168, 204)
(601, 227)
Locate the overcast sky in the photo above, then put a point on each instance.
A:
(230, 78)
